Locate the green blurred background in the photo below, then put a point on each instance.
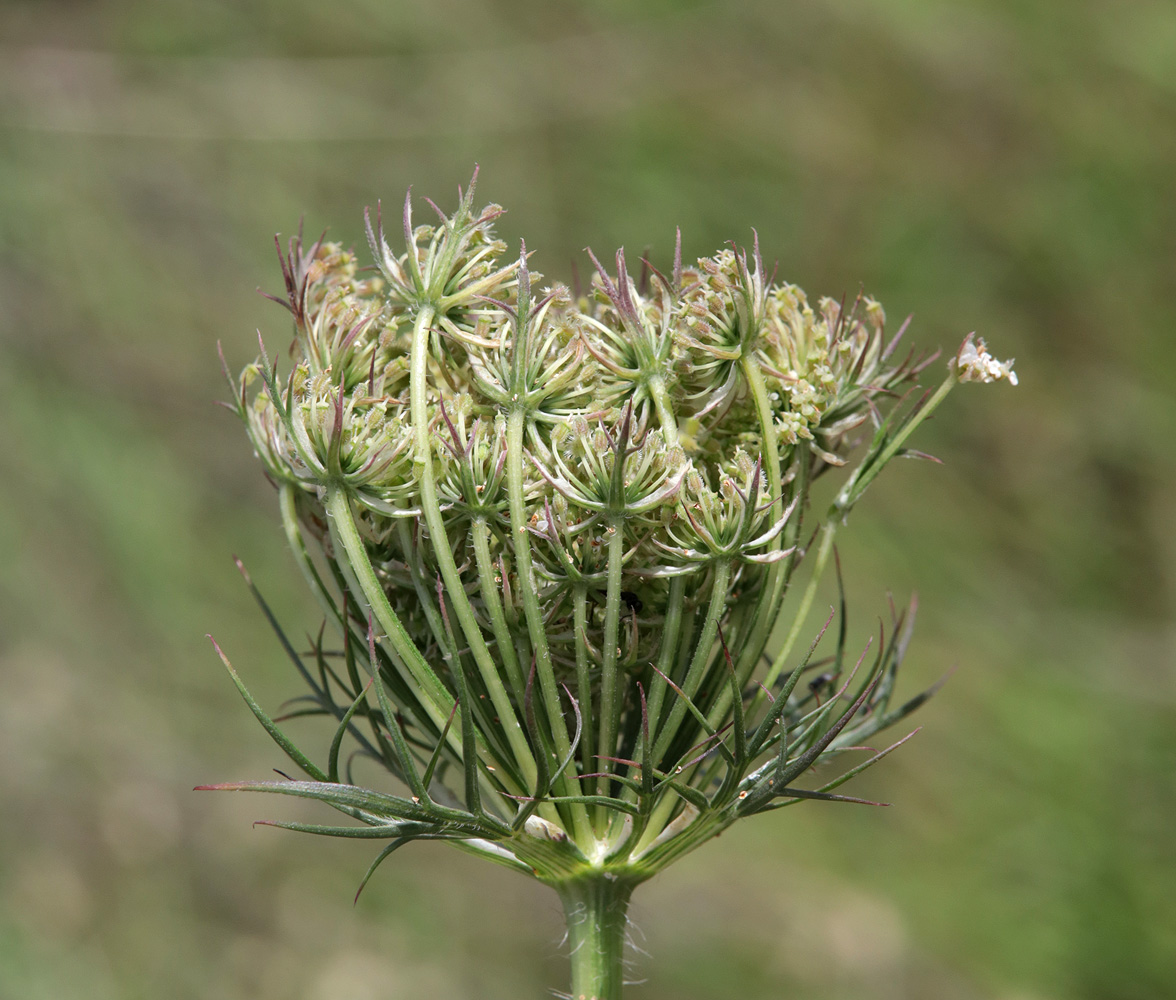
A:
(992, 165)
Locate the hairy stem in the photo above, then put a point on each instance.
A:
(596, 908)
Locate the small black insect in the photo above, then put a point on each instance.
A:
(823, 680)
(632, 600)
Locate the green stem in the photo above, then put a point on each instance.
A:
(667, 657)
(610, 702)
(533, 611)
(447, 643)
(767, 608)
(828, 531)
(431, 509)
(674, 727)
(852, 492)
(492, 599)
(748, 644)
(596, 909)
(288, 499)
(362, 579)
(699, 667)
(846, 498)
(665, 409)
(584, 678)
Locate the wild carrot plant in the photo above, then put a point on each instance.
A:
(552, 536)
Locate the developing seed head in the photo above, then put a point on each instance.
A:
(628, 404)
(542, 490)
(561, 532)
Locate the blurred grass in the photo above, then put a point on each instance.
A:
(990, 165)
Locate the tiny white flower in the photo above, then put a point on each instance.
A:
(973, 363)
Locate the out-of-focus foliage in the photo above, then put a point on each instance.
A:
(992, 166)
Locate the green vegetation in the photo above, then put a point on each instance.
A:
(999, 167)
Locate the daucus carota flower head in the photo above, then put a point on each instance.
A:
(555, 537)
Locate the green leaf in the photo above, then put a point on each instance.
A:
(380, 858)
(271, 727)
(337, 742)
(347, 796)
(797, 794)
(381, 832)
(776, 712)
(427, 778)
(855, 771)
(403, 755)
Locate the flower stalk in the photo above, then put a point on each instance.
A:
(553, 539)
(596, 910)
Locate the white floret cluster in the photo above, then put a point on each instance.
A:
(973, 363)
